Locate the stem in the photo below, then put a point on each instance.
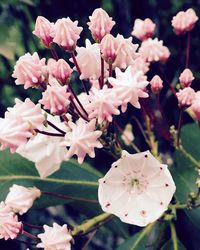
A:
(48, 133)
(152, 142)
(110, 70)
(64, 197)
(141, 129)
(55, 127)
(190, 157)
(65, 118)
(89, 240)
(71, 112)
(85, 227)
(25, 242)
(77, 110)
(28, 235)
(173, 235)
(179, 128)
(102, 74)
(187, 51)
(54, 54)
(31, 225)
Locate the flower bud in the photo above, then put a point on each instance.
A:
(108, 48)
(186, 78)
(127, 135)
(185, 97)
(196, 106)
(100, 24)
(143, 29)
(156, 84)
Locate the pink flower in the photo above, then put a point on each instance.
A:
(103, 104)
(66, 33)
(143, 29)
(55, 98)
(139, 64)
(127, 135)
(43, 29)
(152, 50)
(27, 112)
(137, 189)
(156, 84)
(186, 78)
(108, 48)
(184, 21)
(126, 52)
(100, 24)
(185, 97)
(165, 55)
(60, 70)
(21, 199)
(82, 139)
(10, 227)
(196, 106)
(56, 237)
(129, 86)
(30, 71)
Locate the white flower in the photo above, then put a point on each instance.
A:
(128, 85)
(55, 238)
(21, 199)
(137, 188)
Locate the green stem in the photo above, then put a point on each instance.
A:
(179, 128)
(189, 156)
(173, 235)
(85, 227)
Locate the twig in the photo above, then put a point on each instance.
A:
(49, 133)
(55, 127)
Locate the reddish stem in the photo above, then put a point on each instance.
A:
(49, 133)
(187, 51)
(110, 70)
(28, 235)
(54, 54)
(55, 127)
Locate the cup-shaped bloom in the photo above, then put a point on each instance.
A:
(82, 139)
(143, 29)
(60, 70)
(56, 237)
(108, 48)
(43, 29)
(10, 227)
(129, 86)
(186, 78)
(137, 188)
(100, 24)
(185, 97)
(20, 199)
(156, 84)
(66, 33)
(30, 71)
(55, 98)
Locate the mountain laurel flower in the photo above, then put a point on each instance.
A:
(66, 33)
(43, 29)
(100, 24)
(156, 84)
(60, 70)
(10, 227)
(127, 135)
(152, 50)
(186, 78)
(20, 199)
(30, 71)
(82, 139)
(55, 98)
(185, 97)
(139, 64)
(103, 105)
(143, 29)
(165, 55)
(126, 52)
(196, 106)
(184, 21)
(129, 86)
(137, 189)
(108, 48)
(27, 112)
(56, 237)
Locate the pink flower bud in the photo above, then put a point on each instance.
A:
(108, 47)
(196, 106)
(55, 98)
(60, 70)
(30, 71)
(100, 24)
(66, 33)
(143, 29)
(43, 29)
(185, 97)
(10, 227)
(165, 54)
(186, 78)
(156, 84)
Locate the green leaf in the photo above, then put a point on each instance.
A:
(169, 246)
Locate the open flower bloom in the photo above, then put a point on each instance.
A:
(137, 188)
(103, 104)
(143, 29)
(55, 238)
(30, 71)
(20, 199)
(140, 64)
(186, 78)
(100, 24)
(129, 86)
(185, 97)
(66, 33)
(82, 139)
(126, 52)
(152, 50)
(10, 227)
(43, 29)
